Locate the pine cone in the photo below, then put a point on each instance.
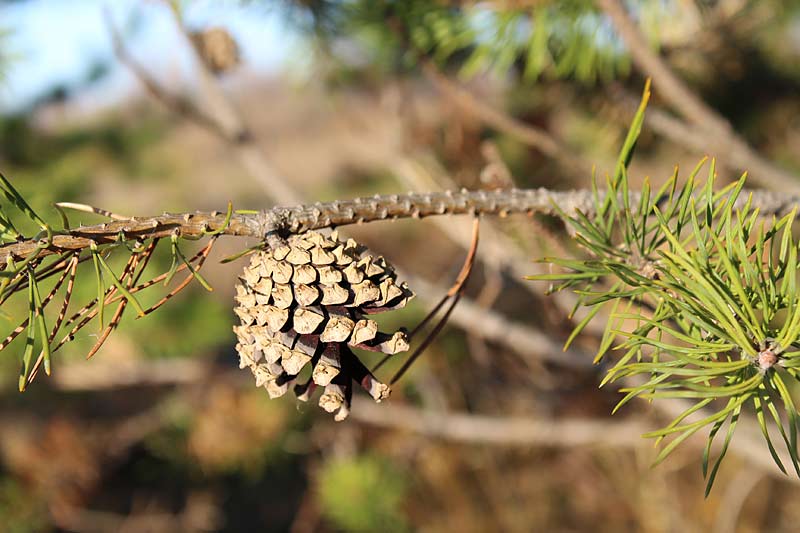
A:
(305, 303)
(217, 49)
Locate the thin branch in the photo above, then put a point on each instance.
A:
(453, 294)
(692, 108)
(526, 133)
(458, 285)
(499, 430)
(231, 128)
(185, 224)
(736, 151)
(179, 105)
(222, 118)
(667, 125)
(670, 87)
(532, 344)
(459, 427)
(227, 118)
(428, 340)
(282, 221)
(526, 431)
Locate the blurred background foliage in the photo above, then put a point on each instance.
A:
(161, 432)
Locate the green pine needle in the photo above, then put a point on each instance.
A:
(701, 302)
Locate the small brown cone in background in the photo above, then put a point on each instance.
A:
(303, 304)
(217, 49)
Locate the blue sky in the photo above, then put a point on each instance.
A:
(53, 41)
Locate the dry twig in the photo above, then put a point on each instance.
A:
(221, 119)
(499, 430)
(692, 108)
(526, 133)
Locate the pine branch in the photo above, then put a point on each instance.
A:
(287, 220)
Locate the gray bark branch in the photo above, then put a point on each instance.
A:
(283, 221)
